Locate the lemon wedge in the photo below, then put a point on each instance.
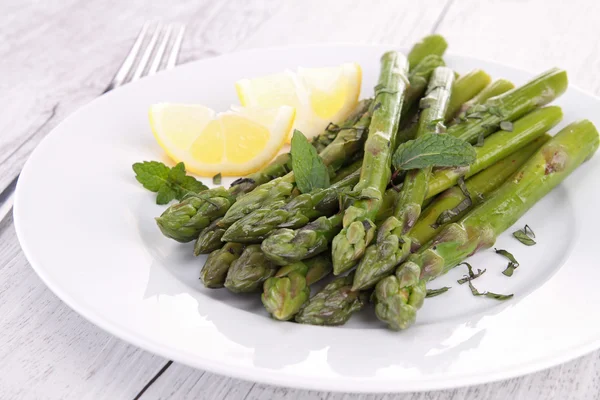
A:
(236, 142)
(319, 95)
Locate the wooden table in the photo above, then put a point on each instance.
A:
(58, 55)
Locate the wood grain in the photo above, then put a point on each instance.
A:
(59, 55)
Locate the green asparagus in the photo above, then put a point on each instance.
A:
(333, 305)
(485, 119)
(498, 146)
(249, 271)
(465, 88)
(286, 246)
(359, 227)
(418, 78)
(214, 270)
(429, 45)
(398, 297)
(285, 293)
(495, 88)
(391, 248)
(451, 204)
(254, 227)
(209, 239)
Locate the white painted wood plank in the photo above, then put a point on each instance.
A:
(529, 34)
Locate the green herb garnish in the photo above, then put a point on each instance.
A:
(309, 170)
(495, 111)
(217, 179)
(168, 183)
(472, 275)
(489, 295)
(433, 151)
(525, 236)
(506, 126)
(512, 262)
(437, 292)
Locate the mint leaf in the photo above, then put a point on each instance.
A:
(168, 183)
(433, 151)
(525, 236)
(151, 174)
(309, 170)
(217, 179)
(165, 194)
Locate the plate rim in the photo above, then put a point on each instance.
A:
(255, 374)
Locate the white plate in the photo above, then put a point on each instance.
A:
(87, 228)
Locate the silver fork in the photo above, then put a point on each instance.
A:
(133, 68)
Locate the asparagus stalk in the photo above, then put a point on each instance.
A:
(348, 141)
(249, 271)
(209, 239)
(398, 297)
(511, 105)
(495, 88)
(359, 228)
(255, 227)
(452, 204)
(184, 221)
(214, 270)
(286, 246)
(498, 146)
(333, 305)
(346, 171)
(429, 45)
(465, 88)
(380, 258)
(418, 78)
(285, 293)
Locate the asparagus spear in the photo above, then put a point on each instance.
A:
(217, 264)
(495, 88)
(184, 221)
(254, 227)
(391, 248)
(418, 78)
(380, 258)
(429, 45)
(209, 239)
(348, 141)
(285, 293)
(286, 246)
(399, 296)
(453, 203)
(465, 88)
(498, 146)
(359, 228)
(333, 305)
(511, 105)
(249, 271)
(346, 171)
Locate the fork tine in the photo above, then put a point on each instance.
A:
(176, 47)
(160, 52)
(147, 53)
(123, 71)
